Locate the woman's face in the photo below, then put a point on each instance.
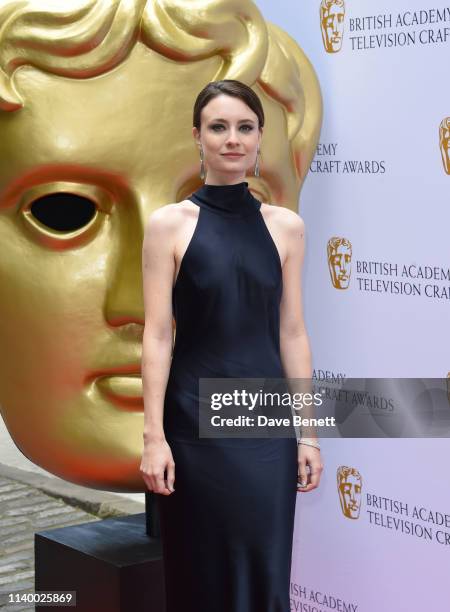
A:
(228, 126)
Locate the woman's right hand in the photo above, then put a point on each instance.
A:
(156, 459)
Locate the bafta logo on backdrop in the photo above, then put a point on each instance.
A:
(339, 254)
(332, 13)
(444, 143)
(349, 483)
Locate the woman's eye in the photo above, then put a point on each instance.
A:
(246, 128)
(64, 212)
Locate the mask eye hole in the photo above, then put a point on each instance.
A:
(63, 212)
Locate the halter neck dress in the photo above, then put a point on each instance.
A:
(227, 528)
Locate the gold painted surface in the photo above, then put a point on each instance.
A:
(96, 101)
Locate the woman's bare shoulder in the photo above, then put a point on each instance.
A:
(286, 219)
(168, 218)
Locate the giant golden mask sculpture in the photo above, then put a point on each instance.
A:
(96, 103)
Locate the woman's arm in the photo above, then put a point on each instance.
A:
(294, 342)
(158, 268)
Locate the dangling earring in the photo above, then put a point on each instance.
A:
(202, 165)
(256, 173)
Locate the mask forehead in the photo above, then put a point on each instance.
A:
(134, 121)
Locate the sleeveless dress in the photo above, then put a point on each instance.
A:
(227, 529)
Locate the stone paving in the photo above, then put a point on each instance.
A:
(24, 510)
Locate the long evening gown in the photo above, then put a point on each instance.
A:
(227, 529)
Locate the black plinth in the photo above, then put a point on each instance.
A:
(113, 565)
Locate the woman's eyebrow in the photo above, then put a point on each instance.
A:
(240, 120)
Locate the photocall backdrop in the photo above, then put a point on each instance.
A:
(376, 534)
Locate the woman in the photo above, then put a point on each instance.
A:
(229, 266)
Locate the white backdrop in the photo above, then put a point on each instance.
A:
(379, 180)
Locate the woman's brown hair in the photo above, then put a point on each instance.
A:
(230, 87)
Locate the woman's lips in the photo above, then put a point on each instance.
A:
(233, 154)
(125, 390)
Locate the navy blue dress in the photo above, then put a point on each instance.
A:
(227, 529)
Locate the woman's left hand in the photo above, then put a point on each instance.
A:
(309, 455)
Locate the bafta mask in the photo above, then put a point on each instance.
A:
(339, 252)
(444, 143)
(332, 13)
(96, 105)
(349, 483)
